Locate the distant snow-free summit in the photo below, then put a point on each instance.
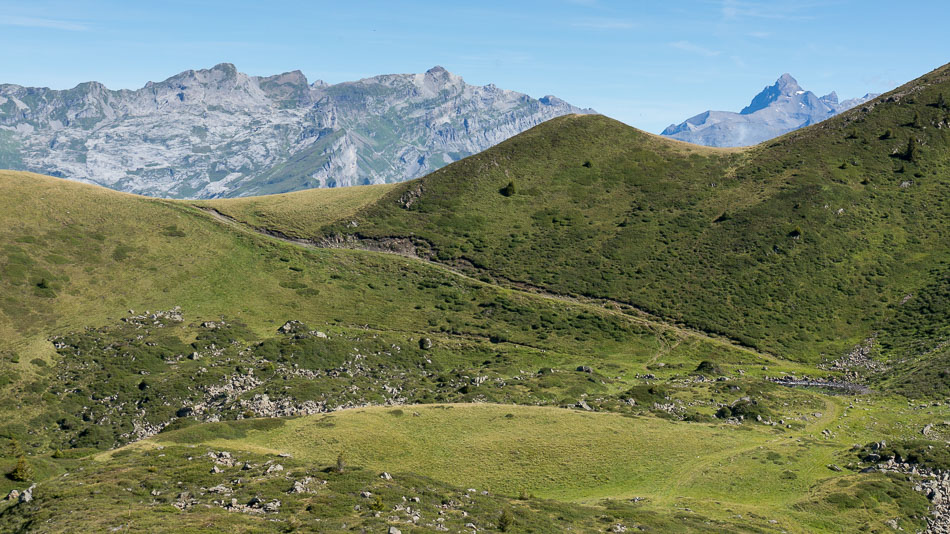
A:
(777, 109)
(219, 133)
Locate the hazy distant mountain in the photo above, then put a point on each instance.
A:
(219, 132)
(778, 109)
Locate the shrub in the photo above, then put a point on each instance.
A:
(916, 121)
(911, 152)
(95, 436)
(696, 417)
(505, 521)
(744, 409)
(508, 190)
(14, 447)
(707, 367)
(340, 463)
(23, 471)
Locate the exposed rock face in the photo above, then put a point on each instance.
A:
(778, 109)
(219, 132)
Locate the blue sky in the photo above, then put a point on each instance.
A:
(648, 64)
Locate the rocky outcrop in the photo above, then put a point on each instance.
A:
(833, 383)
(218, 132)
(857, 364)
(777, 109)
(935, 484)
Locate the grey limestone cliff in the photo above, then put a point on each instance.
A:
(219, 132)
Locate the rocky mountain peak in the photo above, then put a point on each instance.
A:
(220, 74)
(289, 88)
(91, 87)
(438, 74)
(786, 85)
(831, 97)
(294, 77)
(779, 108)
(225, 67)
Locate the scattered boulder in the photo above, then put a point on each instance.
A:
(292, 327)
(584, 369)
(254, 506)
(27, 495)
(425, 343)
(302, 486)
(184, 501)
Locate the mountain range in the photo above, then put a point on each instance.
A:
(779, 108)
(218, 132)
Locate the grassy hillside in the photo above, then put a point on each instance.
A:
(800, 246)
(86, 369)
(298, 212)
(556, 345)
(77, 258)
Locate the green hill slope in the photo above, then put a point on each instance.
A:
(90, 360)
(800, 246)
(563, 316)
